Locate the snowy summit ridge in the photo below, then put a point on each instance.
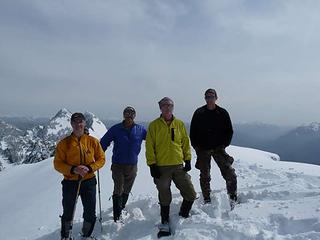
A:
(279, 201)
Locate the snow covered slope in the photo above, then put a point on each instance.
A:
(280, 200)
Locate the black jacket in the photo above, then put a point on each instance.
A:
(210, 128)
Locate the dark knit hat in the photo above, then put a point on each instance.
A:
(212, 91)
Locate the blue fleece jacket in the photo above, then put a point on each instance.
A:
(126, 143)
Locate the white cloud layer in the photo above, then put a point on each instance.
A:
(261, 56)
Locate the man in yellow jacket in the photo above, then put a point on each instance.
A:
(168, 155)
(77, 157)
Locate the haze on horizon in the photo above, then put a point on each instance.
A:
(100, 56)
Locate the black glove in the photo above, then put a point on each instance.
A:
(154, 171)
(187, 166)
(220, 148)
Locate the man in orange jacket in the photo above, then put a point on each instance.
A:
(77, 157)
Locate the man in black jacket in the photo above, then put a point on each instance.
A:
(210, 133)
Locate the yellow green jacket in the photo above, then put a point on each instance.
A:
(72, 151)
(167, 145)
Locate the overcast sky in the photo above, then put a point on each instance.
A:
(262, 57)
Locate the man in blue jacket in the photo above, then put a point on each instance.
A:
(127, 137)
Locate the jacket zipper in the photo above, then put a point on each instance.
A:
(81, 155)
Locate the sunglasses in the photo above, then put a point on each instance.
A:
(128, 115)
(167, 105)
(210, 97)
(78, 120)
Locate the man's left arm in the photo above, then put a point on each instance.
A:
(186, 149)
(185, 144)
(229, 129)
(144, 133)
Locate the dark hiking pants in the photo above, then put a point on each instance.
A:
(123, 177)
(88, 198)
(181, 179)
(224, 162)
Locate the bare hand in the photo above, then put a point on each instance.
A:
(81, 170)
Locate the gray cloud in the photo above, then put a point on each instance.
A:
(100, 56)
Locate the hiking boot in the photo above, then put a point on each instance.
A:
(117, 207)
(207, 200)
(87, 229)
(233, 197)
(233, 200)
(66, 227)
(88, 238)
(185, 208)
(164, 230)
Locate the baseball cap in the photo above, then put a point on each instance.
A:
(129, 112)
(77, 116)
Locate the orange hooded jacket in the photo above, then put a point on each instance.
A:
(72, 151)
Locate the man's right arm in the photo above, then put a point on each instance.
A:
(150, 147)
(193, 131)
(150, 154)
(106, 140)
(59, 161)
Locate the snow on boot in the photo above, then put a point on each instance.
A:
(88, 238)
(207, 200)
(164, 230)
(66, 227)
(233, 200)
(87, 229)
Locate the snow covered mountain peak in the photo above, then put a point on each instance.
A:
(315, 126)
(59, 125)
(96, 127)
(307, 130)
(62, 112)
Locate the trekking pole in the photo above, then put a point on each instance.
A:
(75, 205)
(100, 218)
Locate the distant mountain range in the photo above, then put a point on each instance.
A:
(300, 144)
(36, 137)
(25, 123)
